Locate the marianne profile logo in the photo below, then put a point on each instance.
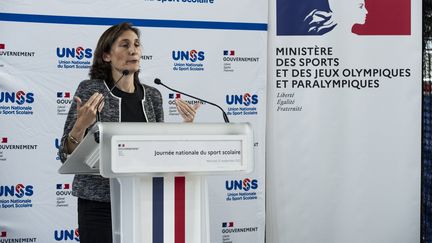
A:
(6, 51)
(231, 56)
(228, 53)
(74, 57)
(172, 96)
(189, 60)
(61, 187)
(227, 224)
(9, 144)
(6, 237)
(64, 101)
(63, 194)
(172, 107)
(6, 143)
(232, 227)
(66, 235)
(361, 17)
(232, 60)
(65, 95)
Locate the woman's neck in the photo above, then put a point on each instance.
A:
(126, 84)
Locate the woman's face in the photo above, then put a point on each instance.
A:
(125, 53)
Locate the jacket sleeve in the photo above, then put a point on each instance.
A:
(156, 99)
(70, 122)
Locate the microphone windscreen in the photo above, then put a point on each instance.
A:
(157, 81)
(125, 72)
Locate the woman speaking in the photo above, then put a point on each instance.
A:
(115, 93)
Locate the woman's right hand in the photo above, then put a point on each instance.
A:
(86, 116)
(86, 113)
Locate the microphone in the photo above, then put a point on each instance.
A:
(96, 134)
(124, 73)
(159, 82)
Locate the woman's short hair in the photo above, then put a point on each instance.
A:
(101, 69)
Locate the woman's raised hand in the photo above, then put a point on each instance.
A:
(187, 111)
(86, 113)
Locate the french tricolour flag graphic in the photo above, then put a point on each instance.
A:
(63, 94)
(174, 203)
(63, 186)
(175, 96)
(229, 52)
(227, 224)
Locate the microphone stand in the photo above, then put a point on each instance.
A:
(124, 73)
(159, 82)
(98, 118)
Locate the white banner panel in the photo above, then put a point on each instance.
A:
(210, 48)
(343, 158)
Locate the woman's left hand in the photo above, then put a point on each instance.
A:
(187, 111)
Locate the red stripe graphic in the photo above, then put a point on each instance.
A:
(179, 209)
(2, 46)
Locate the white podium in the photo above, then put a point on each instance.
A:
(158, 174)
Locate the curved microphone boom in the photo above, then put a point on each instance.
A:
(159, 82)
(96, 134)
(124, 73)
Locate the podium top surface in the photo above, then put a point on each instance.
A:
(144, 149)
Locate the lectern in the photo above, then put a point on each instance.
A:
(158, 174)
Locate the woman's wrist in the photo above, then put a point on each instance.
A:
(76, 134)
(73, 139)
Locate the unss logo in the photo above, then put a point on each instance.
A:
(78, 52)
(245, 184)
(19, 97)
(192, 55)
(244, 99)
(18, 191)
(66, 235)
